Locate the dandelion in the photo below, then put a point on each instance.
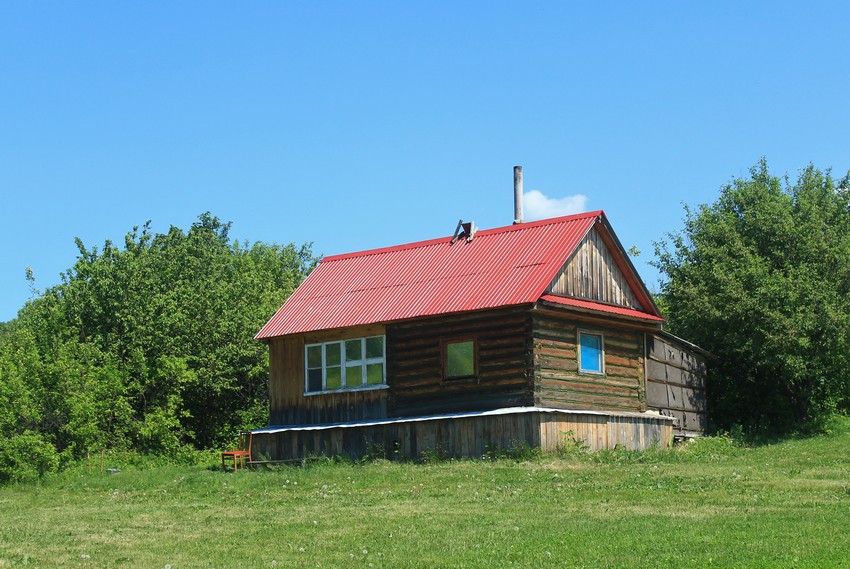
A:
(85, 556)
(301, 549)
(365, 551)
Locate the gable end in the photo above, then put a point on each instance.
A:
(594, 273)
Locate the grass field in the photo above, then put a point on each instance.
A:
(712, 503)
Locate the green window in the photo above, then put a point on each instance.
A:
(460, 359)
(348, 364)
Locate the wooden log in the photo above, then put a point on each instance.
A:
(617, 371)
(582, 387)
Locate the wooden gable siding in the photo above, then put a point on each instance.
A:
(557, 381)
(592, 273)
(504, 363)
(675, 383)
(289, 405)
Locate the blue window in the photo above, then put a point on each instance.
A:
(591, 355)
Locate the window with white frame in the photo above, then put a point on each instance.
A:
(355, 363)
(591, 354)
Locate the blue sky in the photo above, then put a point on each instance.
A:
(361, 125)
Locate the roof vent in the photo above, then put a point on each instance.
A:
(464, 230)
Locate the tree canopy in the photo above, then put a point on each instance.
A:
(147, 347)
(761, 278)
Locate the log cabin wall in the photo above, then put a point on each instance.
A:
(675, 382)
(288, 403)
(415, 375)
(592, 273)
(559, 384)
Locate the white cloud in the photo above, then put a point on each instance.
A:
(537, 206)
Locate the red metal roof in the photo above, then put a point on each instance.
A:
(600, 307)
(499, 267)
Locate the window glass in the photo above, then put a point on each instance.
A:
(332, 354)
(460, 359)
(314, 356)
(375, 347)
(590, 356)
(354, 376)
(353, 350)
(314, 379)
(374, 374)
(333, 379)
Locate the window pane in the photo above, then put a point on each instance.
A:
(353, 350)
(333, 379)
(314, 379)
(375, 374)
(375, 347)
(354, 376)
(332, 354)
(591, 352)
(314, 356)
(460, 358)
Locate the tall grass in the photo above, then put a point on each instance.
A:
(713, 502)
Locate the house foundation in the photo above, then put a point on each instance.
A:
(464, 435)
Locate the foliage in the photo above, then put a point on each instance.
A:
(692, 506)
(26, 457)
(761, 278)
(147, 347)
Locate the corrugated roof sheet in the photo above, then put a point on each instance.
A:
(499, 267)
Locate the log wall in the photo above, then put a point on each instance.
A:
(675, 382)
(557, 381)
(504, 363)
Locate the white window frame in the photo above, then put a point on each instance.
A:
(363, 362)
(601, 337)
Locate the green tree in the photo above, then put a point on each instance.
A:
(148, 347)
(761, 278)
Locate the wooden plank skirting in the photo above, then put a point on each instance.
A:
(464, 435)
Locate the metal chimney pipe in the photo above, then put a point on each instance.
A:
(517, 194)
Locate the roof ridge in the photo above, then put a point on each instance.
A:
(479, 234)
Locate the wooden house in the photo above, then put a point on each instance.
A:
(535, 334)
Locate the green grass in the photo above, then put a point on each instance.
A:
(712, 503)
